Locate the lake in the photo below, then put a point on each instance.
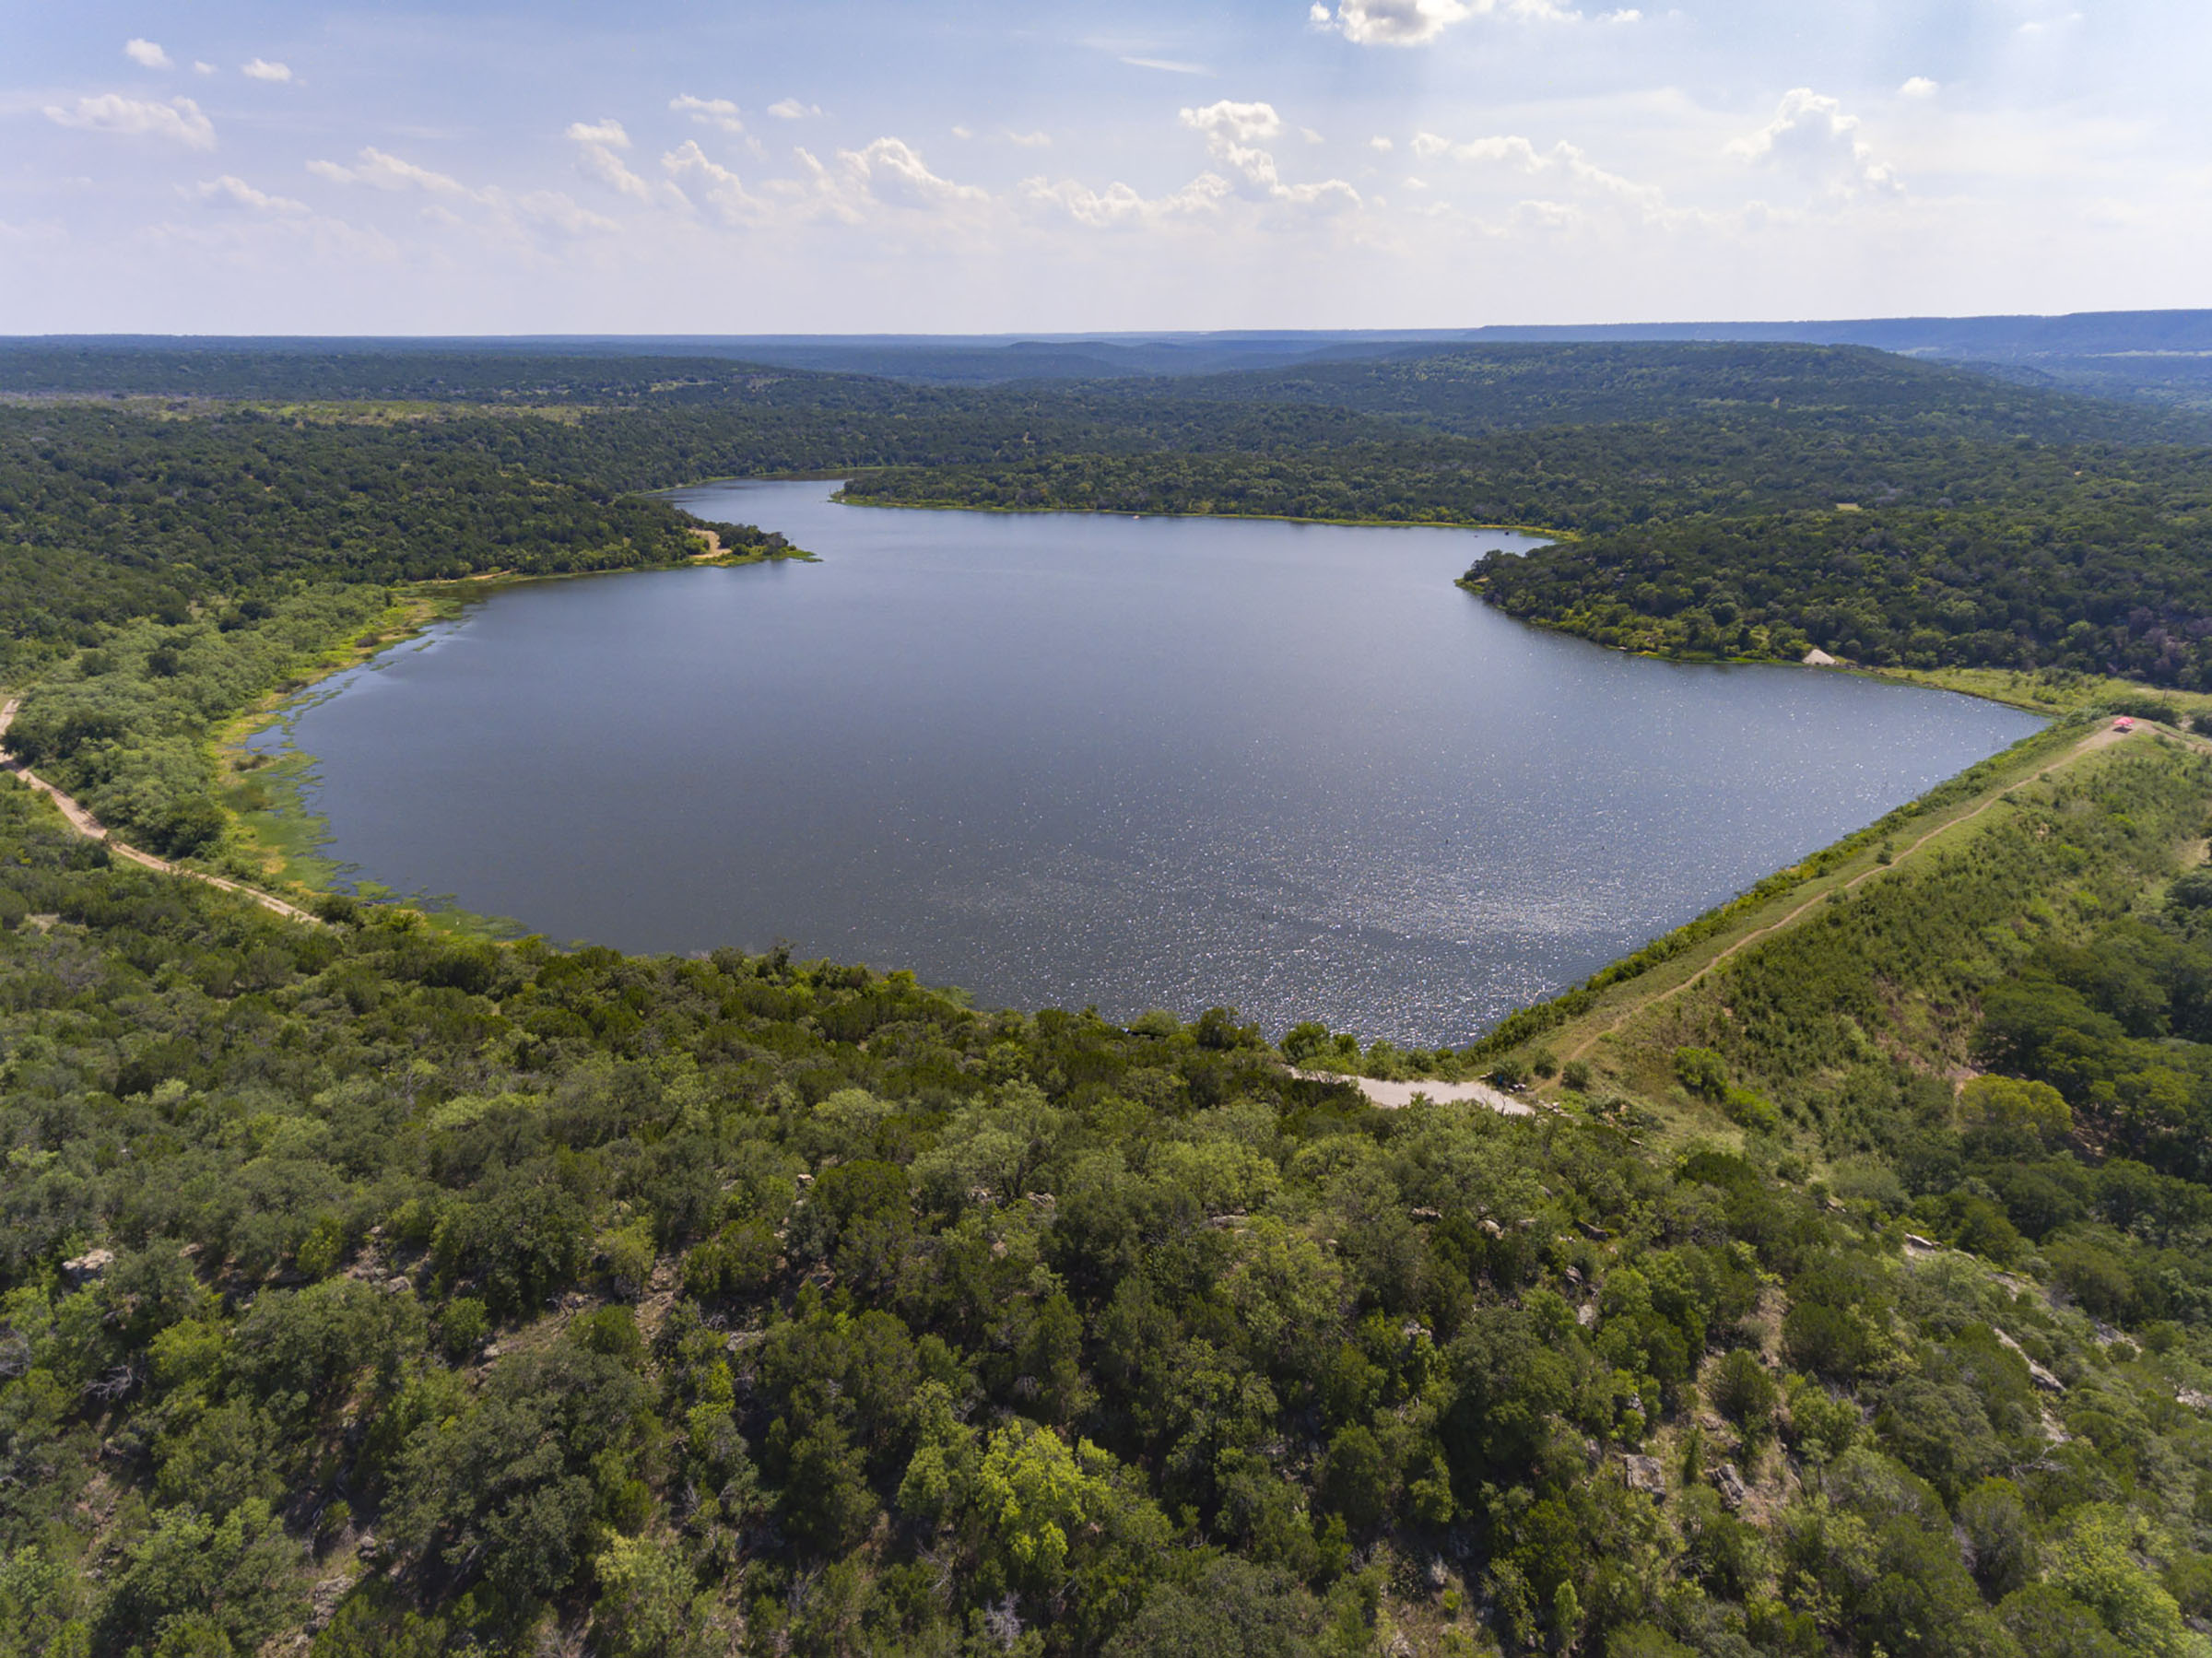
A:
(1065, 759)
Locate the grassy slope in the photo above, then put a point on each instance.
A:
(2134, 806)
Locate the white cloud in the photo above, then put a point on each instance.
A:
(608, 132)
(725, 190)
(1310, 136)
(146, 54)
(1920, 86)
(1232, 133)
(2047, 25)
(1381, 145)
(381, 171)
(892, 170)
(603, 164)
(262, 69)
(1037, 140)
(962, 132)
(595, 155)
(231, 191)
(1120, 206)
(1417, 22)
(1811, 134)
(1545, 216)
(1565, 160)
(1518, 152)
(200, 68)
(1242, 121)
(31, 235)
(709, 112)
(1167, 65)
(553, 211)
(180, 119)
(1627, 14)
(791, 109)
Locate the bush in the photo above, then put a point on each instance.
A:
(629, 1259)
(1750, 1110)
(2093, 1276)
(461, 1328)
(1940, 1431)
(1829, 1341)
(611, 1331)
(2004, 1102)
(1702, 1072)
(1822, 1426)
(1355, 1479)
(738, 1261)
(2047, 1619)
(1999, 1536)
(1740, 1389)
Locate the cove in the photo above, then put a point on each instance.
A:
(1065, 759)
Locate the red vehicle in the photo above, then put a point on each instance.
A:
(2123, 724)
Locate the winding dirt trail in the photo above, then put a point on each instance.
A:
(2103, 738)
(84, 824)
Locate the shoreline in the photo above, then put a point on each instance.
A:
(417, 608)
(1534, 532)
(2008, 687)
(76, 816)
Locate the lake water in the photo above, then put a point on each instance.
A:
(1069, 760)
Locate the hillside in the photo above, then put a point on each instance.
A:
(423, 1292)
(369, 1288)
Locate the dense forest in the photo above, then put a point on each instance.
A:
(436, 1295)
(369, 1288)
(1729, 500)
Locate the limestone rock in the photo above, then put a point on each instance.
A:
(1646, 1475)
(84, 1268)
(1730, 1485)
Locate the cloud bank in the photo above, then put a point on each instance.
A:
(180, 120)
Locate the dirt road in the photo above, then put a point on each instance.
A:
(84, 824)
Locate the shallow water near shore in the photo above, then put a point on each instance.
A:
(1064, 760)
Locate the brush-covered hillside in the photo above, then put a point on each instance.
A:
(368, 1291)
(366, 1286)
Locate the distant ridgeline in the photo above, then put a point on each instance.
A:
(1728, 499)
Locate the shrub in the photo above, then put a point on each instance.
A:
(1701, 1071)
(1355, 1478)
(2004, 1102)
(612, 1330)
(461, 1328)
(1750, 1110)
(1740, 1389)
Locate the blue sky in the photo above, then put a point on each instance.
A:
(857, 165)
